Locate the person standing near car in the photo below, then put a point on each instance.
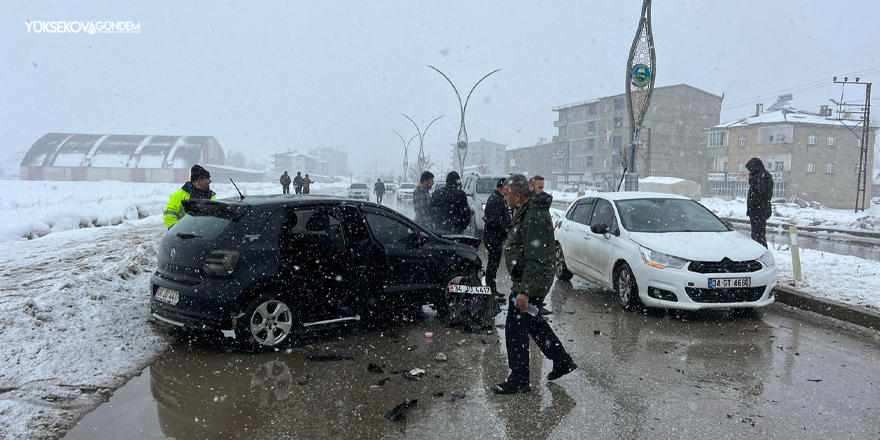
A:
(449, 206)
(758, 207)
(536, 183)
(298, 183)
(422, 200)
(497, 222)
(198, 187)
(285, 183)
(379, 189)
(306, 183)
(530, 256)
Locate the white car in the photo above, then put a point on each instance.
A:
(662, 250)
(478, 188)
(358, 191)
(390, 187)
(406, 191)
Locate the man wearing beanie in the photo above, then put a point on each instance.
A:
(198, 187)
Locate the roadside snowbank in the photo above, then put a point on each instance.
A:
(34, 208)
(869, 220)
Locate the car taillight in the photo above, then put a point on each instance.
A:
(220, 262)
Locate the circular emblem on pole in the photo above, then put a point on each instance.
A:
(405, 163)
(421, 159)
(641, 75)
(462, 145)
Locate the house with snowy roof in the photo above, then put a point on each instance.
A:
(812, 156)
(132, 158)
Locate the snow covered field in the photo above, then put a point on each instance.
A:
(868, 220)
(74, 313)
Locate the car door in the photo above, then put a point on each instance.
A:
(368, 265)
(574, 236)
(315, 257)
(599, 255)
(408, 263)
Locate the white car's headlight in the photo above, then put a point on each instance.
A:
(767, 259)
(484, 206)
(661, 260)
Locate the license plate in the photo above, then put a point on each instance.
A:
(726, 283)
(481, 290)
(167, 295)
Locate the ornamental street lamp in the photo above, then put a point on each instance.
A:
(421, 141)
(462, 142)
(640, 76)
(405, 151)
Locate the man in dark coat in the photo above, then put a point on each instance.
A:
(379, 189)
(422, 200)
(758, 203)
(530, 256)
(449, 206)
(298, 183)
(496, 221)
(285, 183)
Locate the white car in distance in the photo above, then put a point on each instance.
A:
(662, 250)
(406, 191)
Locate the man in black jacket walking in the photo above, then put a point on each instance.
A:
(298, 183)
(758, 203)
(379, 189)
(496, 222)
(449, 207)
(285, 183)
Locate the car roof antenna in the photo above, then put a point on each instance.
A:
(236, 188)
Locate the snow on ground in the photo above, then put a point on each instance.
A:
(790, 213)
(34, 208)
(74, 310)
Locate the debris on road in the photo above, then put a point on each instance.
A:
(439, 393)
(414, 374)
(399, 411)
(814, 380)
(412, 347)
(440, 357)
(429, 335)
(458, 396)
(376, 368)
(304, 380)
(597, 332)
(329, 357)
(382, 382)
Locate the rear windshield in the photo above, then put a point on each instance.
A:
(407, 186)
(358, 186)
(200, 225)
(487, 185)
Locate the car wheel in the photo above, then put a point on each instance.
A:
(268, 322)
(562, 271)
(626, 287)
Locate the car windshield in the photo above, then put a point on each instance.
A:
(486, 185)
(408, 186)
(358, 186)
(668, 215)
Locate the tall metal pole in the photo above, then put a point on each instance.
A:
(421, 140)
(405, 151)
(462, 142)
(640, 76)
(864, 139)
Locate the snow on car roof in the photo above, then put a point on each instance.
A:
(632, 195)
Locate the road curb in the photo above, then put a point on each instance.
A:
(771, 226)
(852, 314)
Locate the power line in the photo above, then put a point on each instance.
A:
(812, 85)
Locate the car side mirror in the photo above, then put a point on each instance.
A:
(420, 238)
(600, 229)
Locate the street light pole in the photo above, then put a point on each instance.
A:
(640, 76)
(421, 140)
(405, 151)
(462, 142)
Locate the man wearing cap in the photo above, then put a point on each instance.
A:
(198, 187)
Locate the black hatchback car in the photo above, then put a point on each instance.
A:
(270, 268)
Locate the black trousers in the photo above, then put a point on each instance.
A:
(298, 189)
(285, 189)
(494, 246)
(521, 325)
(759, 229)
(379, 197)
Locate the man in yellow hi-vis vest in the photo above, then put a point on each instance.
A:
(198, 187)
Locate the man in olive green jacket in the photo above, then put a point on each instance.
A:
(198, 187)
(530, 256)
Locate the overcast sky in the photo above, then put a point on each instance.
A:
(265, 77)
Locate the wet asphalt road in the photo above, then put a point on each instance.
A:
(779, 374)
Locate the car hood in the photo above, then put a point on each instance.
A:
(463, 239)
(701, 246)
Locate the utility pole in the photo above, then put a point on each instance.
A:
(864, 140)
